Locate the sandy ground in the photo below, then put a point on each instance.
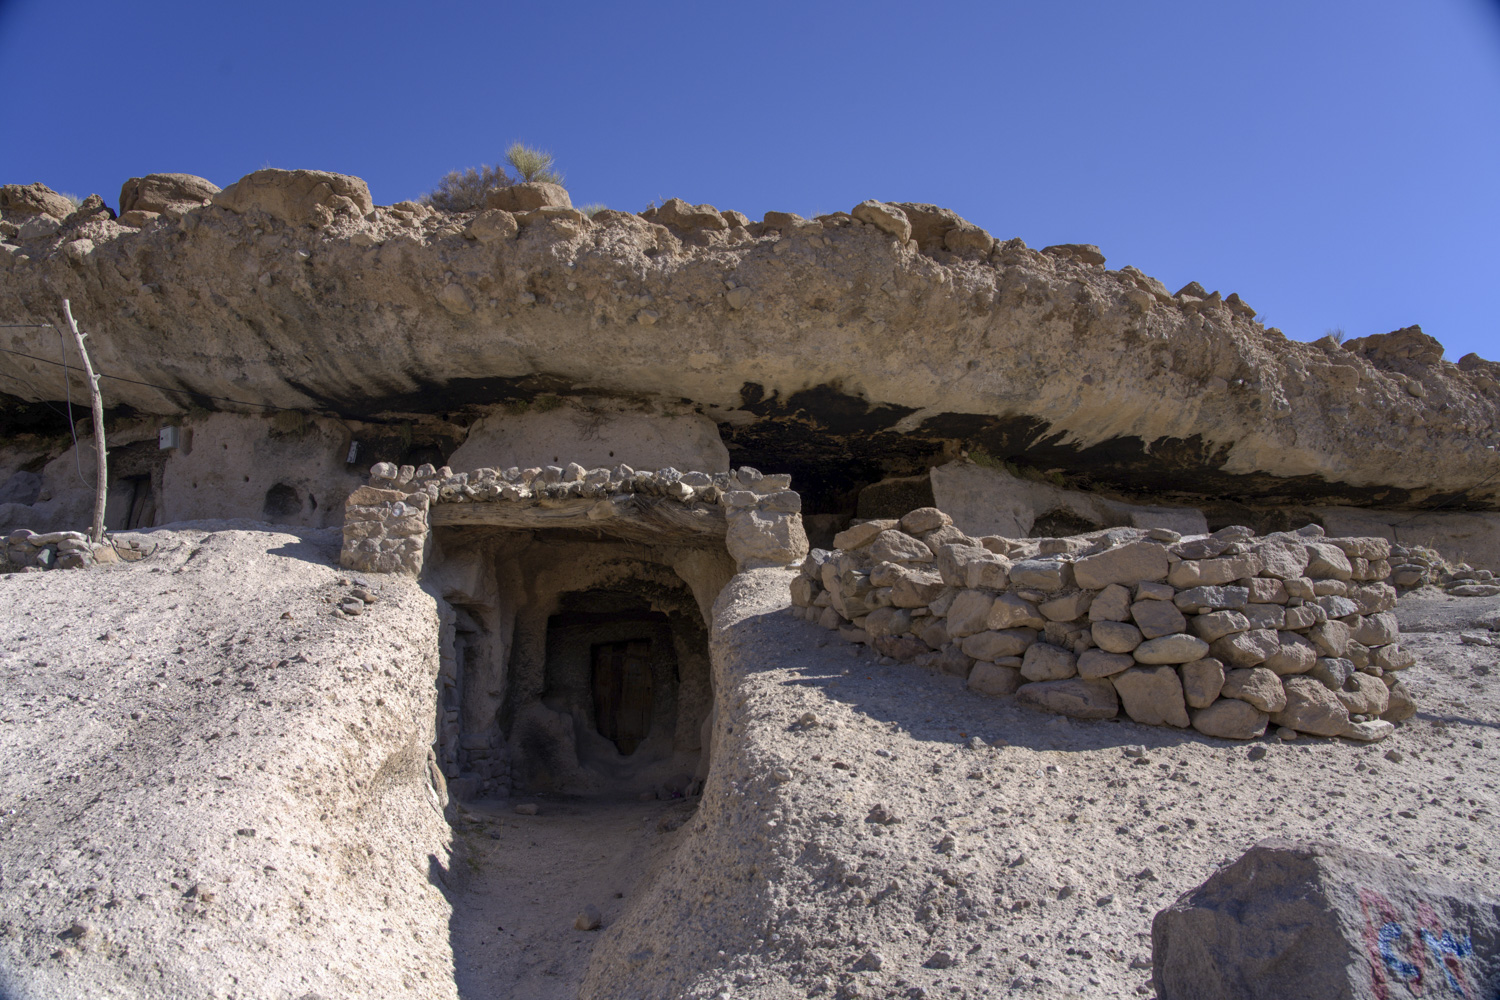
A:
(1031, 866)
(211, 786)
(521, 881)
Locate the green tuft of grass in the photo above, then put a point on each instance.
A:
(533, 164)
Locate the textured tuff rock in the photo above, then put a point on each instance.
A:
(217, 783)
(1291, 920)
(164, 193)
(292, 289)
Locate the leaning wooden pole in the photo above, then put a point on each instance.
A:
(101, 466)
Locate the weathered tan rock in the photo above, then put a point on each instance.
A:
(1297, 921)
(995, 681)
(760, 538)
(1171, 649)
(374, 335)
(1217, 624)
(924, 519)
(1400, 706)
(1096, 663)
(1157, 618)
(528, 197)
(1257, 685)
(492, 224)
(1326, 561)
(297, 197)
(679, 214)
(1246, 649)
(1047, 575)
(1084, 253)
(1068, 607)
(1311, 708)
(1364, 695)
(20, 201)
(1394, 657)
(915, 589)
(1331, 637)
(1044, 662)
(1282, 559)
(1075, 697)
(1010, 611)
(1202, 680)
(1112, 604)
(1126, 564)
(166, 193)
(1152, 695)
(969, 613)
(1295, 654)
(1230, 719)
(886, 218)
(897, 546)
(991, 645)
(1376, 630)
(1116, 637)
(859, 535)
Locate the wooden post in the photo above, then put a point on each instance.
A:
(101, 467)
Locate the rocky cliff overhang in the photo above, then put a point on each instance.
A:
(828, 343)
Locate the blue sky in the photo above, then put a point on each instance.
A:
(1336, 163)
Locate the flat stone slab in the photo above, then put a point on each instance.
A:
(1299, 921)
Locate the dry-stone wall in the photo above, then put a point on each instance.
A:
(1227, 633)
(27, 551)
(386, 523)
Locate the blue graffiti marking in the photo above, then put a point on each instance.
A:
(1389, 934)
(1447, 945)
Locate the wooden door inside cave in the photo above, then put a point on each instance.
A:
(623, 692)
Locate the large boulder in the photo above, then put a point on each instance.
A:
(161, 193)
(886, 218)
(760, 538)
(1292, 921)
(1126, 565)
(1153, 696)
(297, 197)
(1311, 708)
(679, 214)
(1074, 697)
(22, 201)
(528, 197)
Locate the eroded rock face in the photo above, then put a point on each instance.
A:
(852, 332)
(297, 197)
(1294, 920)
(21, 201)
(161, 193)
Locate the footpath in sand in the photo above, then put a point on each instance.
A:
(522, 880)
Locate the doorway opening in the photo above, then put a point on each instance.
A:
(622, 692)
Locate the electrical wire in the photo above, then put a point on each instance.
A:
(149, 385)
(68, 388)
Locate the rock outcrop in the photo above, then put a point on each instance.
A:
(1292, 920)
(838, 347)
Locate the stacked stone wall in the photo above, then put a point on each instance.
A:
(27, 551)
(386, 523)
(1227, 633)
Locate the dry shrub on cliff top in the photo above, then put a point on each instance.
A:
(464, 190)
(532, 164)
